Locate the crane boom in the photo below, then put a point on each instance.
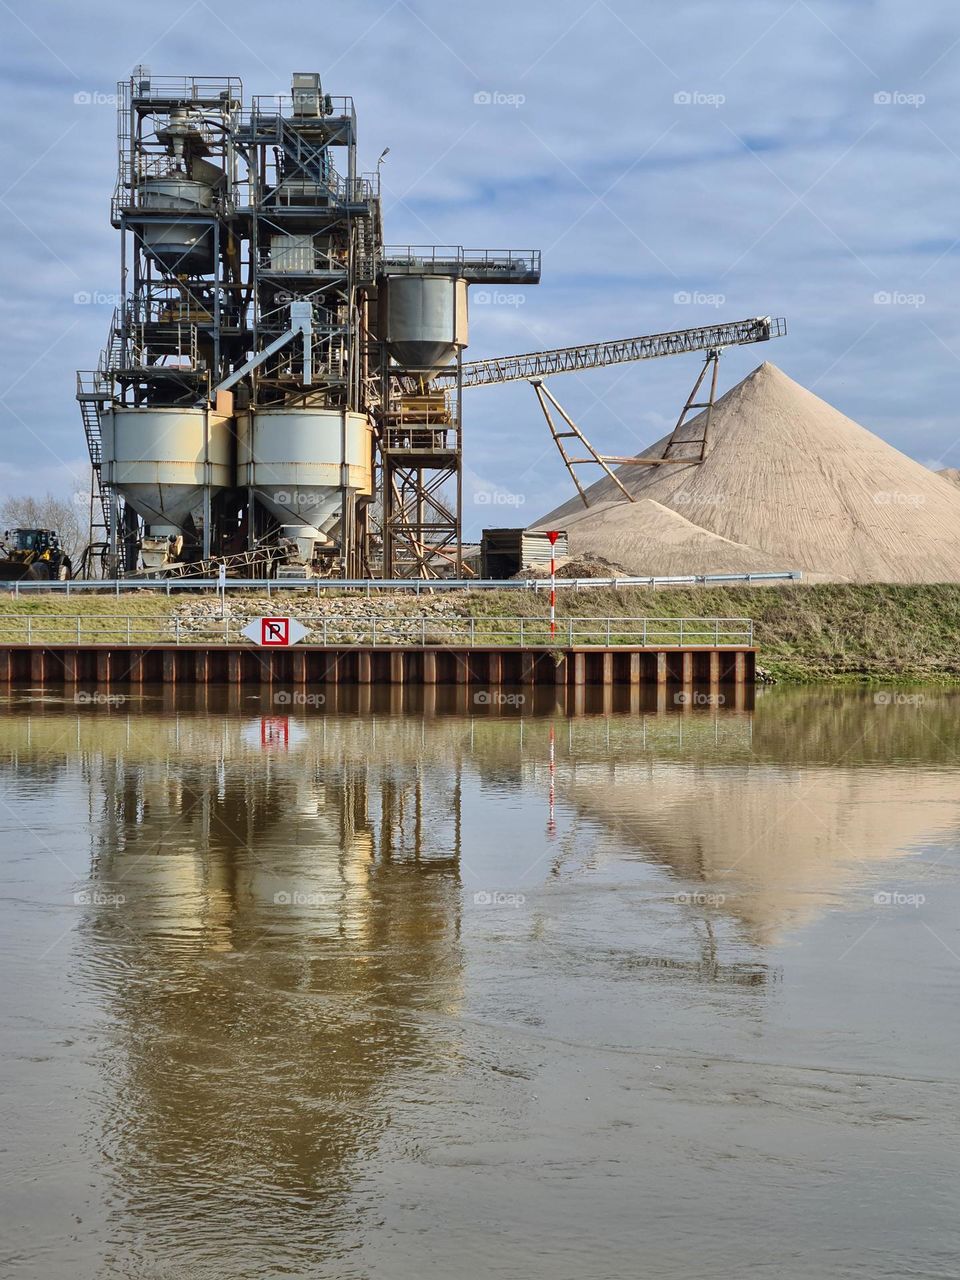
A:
(595, 355)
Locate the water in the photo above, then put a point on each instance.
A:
(370, 989)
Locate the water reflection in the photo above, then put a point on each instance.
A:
(286, 933)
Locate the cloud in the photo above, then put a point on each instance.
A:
(781, 159)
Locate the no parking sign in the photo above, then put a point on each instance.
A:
(275, 633)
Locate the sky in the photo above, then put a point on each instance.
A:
(677, 164)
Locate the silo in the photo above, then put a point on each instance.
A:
(309, 468)
(184, 244)
(161, 459)
(423, 320)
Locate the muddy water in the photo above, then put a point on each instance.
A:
(344, 989)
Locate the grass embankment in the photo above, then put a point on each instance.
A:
(103, 618)
(804, 633)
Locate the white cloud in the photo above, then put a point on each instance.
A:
(710, 206)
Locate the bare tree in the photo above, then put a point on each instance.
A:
(69, 519)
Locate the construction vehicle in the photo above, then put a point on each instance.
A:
(33, 554)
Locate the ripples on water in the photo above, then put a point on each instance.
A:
(390, 989)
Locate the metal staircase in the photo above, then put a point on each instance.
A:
(93, 392)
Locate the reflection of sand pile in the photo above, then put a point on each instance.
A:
(781, 845)
(788, 483)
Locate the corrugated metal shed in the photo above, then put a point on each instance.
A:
(507, 552)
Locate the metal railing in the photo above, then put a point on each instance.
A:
(373, 586)
(485, 264)
(388, 630)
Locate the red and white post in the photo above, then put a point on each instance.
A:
(553, 535)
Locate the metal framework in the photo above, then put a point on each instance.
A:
(421, 420)
(574, 432)
(598, 355)
(604, 461)
(251, 271)
(421, 450)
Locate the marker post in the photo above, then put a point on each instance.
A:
(553, 535)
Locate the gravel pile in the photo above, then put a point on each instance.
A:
(788, 483)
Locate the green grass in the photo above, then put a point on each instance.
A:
(137, 604)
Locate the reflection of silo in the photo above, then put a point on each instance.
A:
(161, 459)
(308, 467)
(423, 320)
(183, 244)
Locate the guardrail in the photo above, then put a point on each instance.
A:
(387, 630)
(370, 586)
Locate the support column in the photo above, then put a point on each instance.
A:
(364, 667)
(103, 666)
(495, 669)
(38, 666)
(396, 666)
(714, 667)
(688, 668)
(740, 668)
(234, 666)
(169, 666)
(430, 666)
(663, 671)
(527, 667)
(635, 669)
(607, 669)
(579, 669)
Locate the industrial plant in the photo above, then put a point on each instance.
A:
(268, 396)
(281, 391)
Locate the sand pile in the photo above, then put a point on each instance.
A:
(950, 473)
(788, 483)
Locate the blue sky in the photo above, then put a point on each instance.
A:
(785, 157)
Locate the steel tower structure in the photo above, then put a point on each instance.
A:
(269, 355)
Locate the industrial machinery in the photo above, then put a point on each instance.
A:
(34, 554)
(281, 391)
(535, 366)
(270, 355)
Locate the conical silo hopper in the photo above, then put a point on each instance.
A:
(305, 467)
(423, 320)
(161, 459)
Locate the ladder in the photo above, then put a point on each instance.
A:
(606, 461)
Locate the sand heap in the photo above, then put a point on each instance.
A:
(950, 473)
(788, 483)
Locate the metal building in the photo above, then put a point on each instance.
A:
(271, 357)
